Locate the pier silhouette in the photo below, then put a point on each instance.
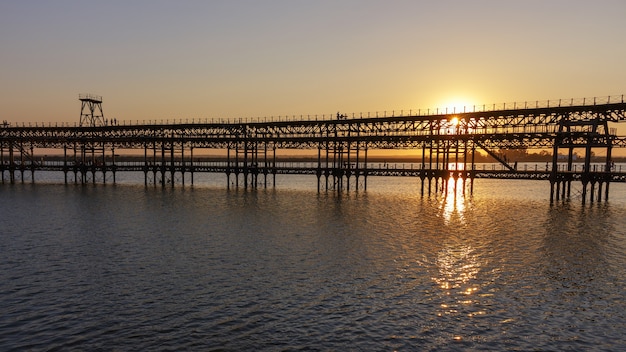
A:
(445, 140)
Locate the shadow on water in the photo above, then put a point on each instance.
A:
(576, 242)
(576, 300)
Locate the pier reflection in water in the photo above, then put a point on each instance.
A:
(135, 268)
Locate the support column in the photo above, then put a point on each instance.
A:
(609, 165)
(437, 167)
(554, 171)
(473, 172)
(94, 165)
(422, 168)
(327, 171)
(182, 163)
(104, 165)
(2, 164)
(356, 169)
(346, 167)
(76, 164)
(32, 164)
(265, 162)
(113, 166)
(228, 167)
(22, 162)
(163, 165)
(191, 170)
(11, 164)
(319, 167)
(592, 197)
(365, 171)
(274, 166)
(145, 165)
(172, 166)
(430, 166)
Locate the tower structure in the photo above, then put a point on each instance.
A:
(90, 155)
(91, 114)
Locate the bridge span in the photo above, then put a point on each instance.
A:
(445, 142)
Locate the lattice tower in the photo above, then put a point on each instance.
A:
(91, 114)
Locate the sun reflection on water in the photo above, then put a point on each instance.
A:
(458, 262)
(458, 270)
(457, 266)
(453, 201)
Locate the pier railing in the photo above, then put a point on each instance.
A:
(475, 108)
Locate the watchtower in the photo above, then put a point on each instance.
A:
(90, 154)
(91, 114)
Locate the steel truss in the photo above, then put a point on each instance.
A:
(342, 145)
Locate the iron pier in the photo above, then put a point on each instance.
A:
(446, 143)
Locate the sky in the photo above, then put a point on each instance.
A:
(153, 60)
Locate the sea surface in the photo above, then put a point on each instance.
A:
(127, 267)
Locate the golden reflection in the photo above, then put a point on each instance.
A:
(457, 266)
(453, 202)
(458, 263)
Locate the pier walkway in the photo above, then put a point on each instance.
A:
(446, 143)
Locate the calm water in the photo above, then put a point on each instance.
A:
(130, 268)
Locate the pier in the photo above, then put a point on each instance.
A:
(446, 142)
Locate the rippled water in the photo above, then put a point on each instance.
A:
(129, 267)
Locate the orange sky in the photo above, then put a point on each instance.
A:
(228, 59)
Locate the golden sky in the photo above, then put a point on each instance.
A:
(233, 58)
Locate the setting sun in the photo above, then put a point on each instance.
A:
(457, 105)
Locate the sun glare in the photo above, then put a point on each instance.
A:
(453, 203)
(457, 105)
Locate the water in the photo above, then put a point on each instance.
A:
(133, 268)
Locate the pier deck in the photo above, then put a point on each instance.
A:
(341, 145)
